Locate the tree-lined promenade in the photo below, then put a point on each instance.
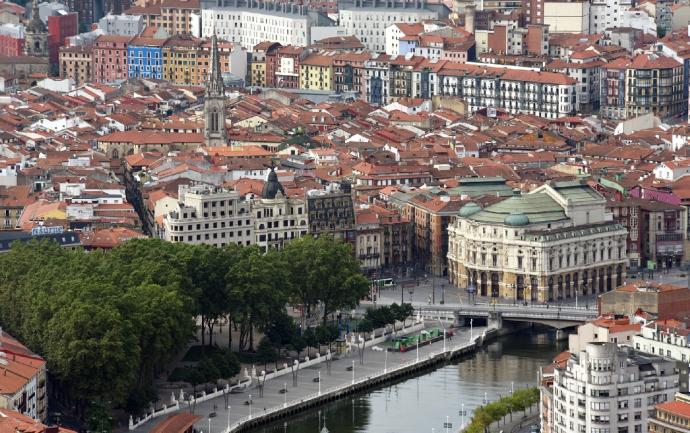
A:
(518, 401)
(109, 322)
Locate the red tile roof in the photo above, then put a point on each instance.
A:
(679, 408)
(177, 423)
(13, 422)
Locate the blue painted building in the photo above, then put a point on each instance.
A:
(407, 46)
(145, 58)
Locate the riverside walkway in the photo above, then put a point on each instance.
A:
(308, 392)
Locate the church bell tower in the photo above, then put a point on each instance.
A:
(215, 133)
(36, 35)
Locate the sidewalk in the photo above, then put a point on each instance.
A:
(519, 423)
(341, 373)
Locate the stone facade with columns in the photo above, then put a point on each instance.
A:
(550, 244)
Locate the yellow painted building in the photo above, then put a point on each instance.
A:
(258, 70)
(316, 72)
(180, 60)
(258, 74)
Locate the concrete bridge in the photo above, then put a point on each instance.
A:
(559, 317)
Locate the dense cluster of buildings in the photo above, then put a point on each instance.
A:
(532, 151)
(550, 59)
(627, 370)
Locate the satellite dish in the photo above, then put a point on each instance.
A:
(3, 361)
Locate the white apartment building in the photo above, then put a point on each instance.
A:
(23, 381)
(123, 25)
(639, 19)
(586, 71)
(516, 90)
(209, 215)
(606, 389)
(377, 79)
(286, 23)
(368, 19)
(605, 329)
(606, 14)
(669, 338)
(12, 30)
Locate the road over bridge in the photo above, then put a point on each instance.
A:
(558, 317)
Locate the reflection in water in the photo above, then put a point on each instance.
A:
(419, 404)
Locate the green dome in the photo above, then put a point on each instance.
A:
(516, 219)
(469, 209)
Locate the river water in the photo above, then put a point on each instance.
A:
(421, 403)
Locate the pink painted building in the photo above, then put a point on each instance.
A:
(109, 58)
(11, 46)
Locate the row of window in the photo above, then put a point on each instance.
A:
(213, 225)
(208, 236)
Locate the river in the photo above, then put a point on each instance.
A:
(421, 403)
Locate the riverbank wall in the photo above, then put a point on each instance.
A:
(410, 368)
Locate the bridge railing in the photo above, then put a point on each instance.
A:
(535, 306)
(546, 314)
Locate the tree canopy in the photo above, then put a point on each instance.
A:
(326, 273)
(107, 322)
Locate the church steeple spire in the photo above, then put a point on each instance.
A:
(215, 133)
(35, 24)
(215, 85)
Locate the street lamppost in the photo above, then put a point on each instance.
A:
(353, 372)
(295, 368)
(319, 383)
(385, 362)
(228, 409)
(250, 406)
(433, 288)
(360, 346)
(512, 286)
(471, 329)
(285, 395)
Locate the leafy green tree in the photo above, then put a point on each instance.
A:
(195, 377)
(208, 370)
(298, 343)
(310, 339)
(365, 325)
(226, 362)
(266, 352)
(256, 283)
(324, 270)
(282, 329)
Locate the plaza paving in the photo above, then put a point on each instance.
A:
(374, 362)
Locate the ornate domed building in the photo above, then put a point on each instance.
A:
(553, 243)
(278, 218)
(272, 187)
